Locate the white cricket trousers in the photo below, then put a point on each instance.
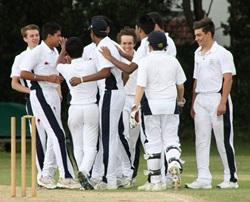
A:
(160, 132)
(47, 106)
(111, 105)
(83, 122)
(206, 120)
(42, 146)
(131, 134)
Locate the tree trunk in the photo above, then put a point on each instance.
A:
(198, 11)
(190, 16)
(188, 13)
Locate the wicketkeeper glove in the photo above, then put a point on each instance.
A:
(134, 117)
(182, 103)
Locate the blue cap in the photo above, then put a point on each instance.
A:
(157, 40)
(99, 27)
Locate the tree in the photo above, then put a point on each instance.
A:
(74, 16)
(238, 28)
(195, 15)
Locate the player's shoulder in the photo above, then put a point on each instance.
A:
(222, 51)
(90, 46)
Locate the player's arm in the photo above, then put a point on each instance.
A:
(102, 74)
(122, 66)
(61, 57)
(227, 84)
(17, 86)
(59, 90)
(125, 78)
(134, 115)
(34, 77)
(192, 112)
(138, 95)
(125, 55)
(180, 92)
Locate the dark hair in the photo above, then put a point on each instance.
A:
(127, 31)
(29, 27)
(146, 23)
(74, 47)
(157, 19)
(50, 28)
(206, 24)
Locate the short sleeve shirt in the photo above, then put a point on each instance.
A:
(209, 68)
(171, 49)
(41, 61)
(89, 52)
(84, 93)
(115, 80)
(16, 71)
(159, 73)
(142, 51)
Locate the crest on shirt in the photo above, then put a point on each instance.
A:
(211, 62)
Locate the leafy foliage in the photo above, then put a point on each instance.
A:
(239, 29)
(75, 15)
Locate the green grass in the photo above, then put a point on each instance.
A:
(189, 174)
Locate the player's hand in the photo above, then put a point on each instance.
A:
(74, 81)
(54, 78)
(192, 113)
(182, 102)
(62, 42)
(221, 109)
(134, 117)
(67, 59)
(105, 52)
(121, 52)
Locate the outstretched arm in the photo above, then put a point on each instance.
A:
(122, 66)
(103, 73)
(34, 77)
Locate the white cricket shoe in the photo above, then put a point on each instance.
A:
(167, 184)
(47, 181)
(125, 182)
(154, 187)
(68, 183)
(227, 185)
(198, 185)
(104, 186)
(174, 172)
(95, 181)
(144, 187)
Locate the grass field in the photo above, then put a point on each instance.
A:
(188, 175)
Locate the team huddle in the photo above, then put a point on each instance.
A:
(121, 98)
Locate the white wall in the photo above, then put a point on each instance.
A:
(218, 13)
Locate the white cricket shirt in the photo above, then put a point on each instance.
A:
(101, 62)
(42, 61)
(209, 68)
(171, 49)
(84, 93)
(15, 70)
(159, 73)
